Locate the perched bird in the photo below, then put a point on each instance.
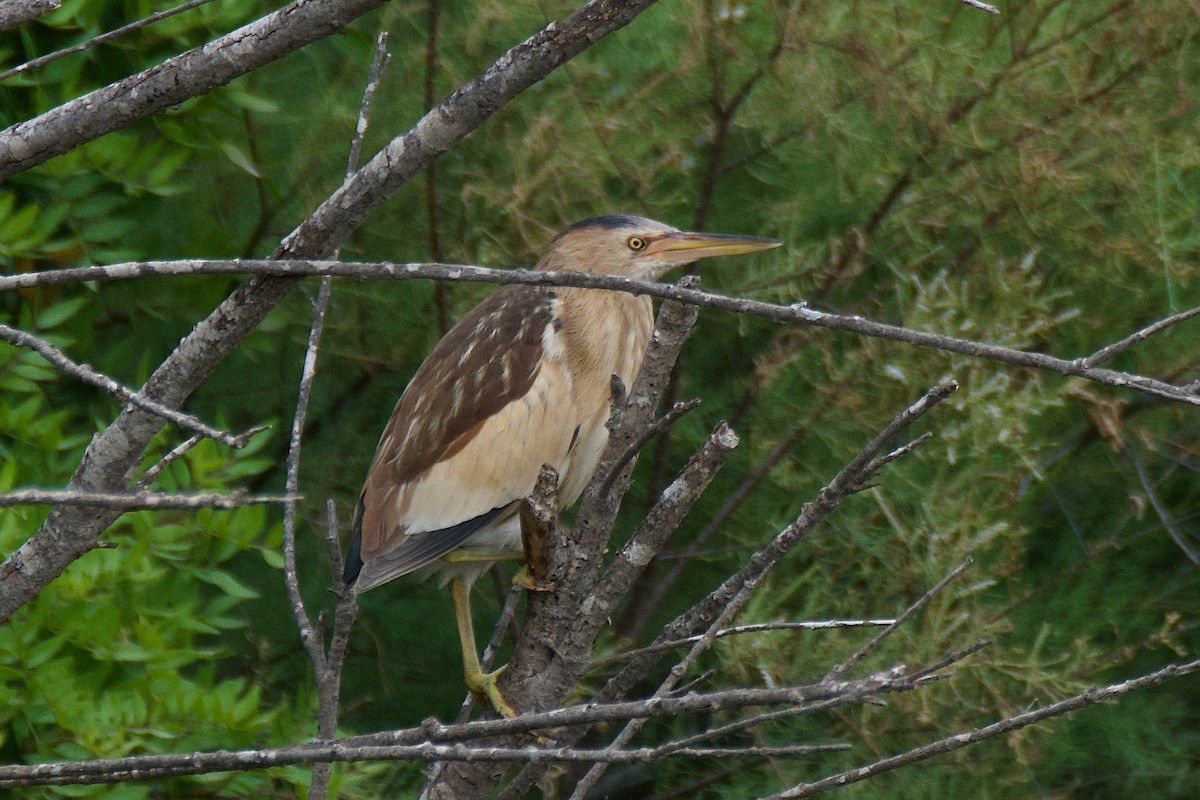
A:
(521, 381)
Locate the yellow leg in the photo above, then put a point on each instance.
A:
(482, 684)
(479, 555)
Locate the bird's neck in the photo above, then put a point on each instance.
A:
(605, 334)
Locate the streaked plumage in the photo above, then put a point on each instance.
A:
(521, 381)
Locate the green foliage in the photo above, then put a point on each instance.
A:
(1029, 180)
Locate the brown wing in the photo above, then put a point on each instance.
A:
(441, 470)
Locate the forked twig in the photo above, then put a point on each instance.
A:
(870, 647)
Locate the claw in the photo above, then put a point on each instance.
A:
(483, 686)
(526, 580)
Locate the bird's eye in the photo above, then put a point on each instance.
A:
(636, 243)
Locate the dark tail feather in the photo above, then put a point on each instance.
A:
(354, 562)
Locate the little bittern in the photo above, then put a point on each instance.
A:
(521, 381)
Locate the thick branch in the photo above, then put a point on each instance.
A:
(187, 75)
(18, 12)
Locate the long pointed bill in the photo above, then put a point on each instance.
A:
(683, 248)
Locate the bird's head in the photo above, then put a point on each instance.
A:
(636, 247)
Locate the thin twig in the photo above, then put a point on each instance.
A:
(982, 6)
(661, 424)
(86, 374)
(308, 634)
(956, 656)
(870, 647)
(131, 501)
(101, 39)
(823, 705)
(957, 741)
(740, 630)
(1164, 515)
(177, 452)
(1108, 351)
(327, 663)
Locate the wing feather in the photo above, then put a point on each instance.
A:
(467, 438)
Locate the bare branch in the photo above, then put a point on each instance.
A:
(18, 12)
(1107, 352)
(326, 664)
(982, 6)
(187, 75)
(88, 375)
(826, 502)
(95, 40)
(738, 589)
(176, 453)
(132, 501)
(740, 630)
(308, 635)
(436, 741)
(663, 586)
(660, 522)
(794, 314)
(959, 740)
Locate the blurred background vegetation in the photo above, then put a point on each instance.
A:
(1031, 179)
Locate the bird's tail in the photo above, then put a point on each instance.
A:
(354, 562)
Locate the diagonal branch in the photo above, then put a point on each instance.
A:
(958, 741)
(845, 483)
(858, 655)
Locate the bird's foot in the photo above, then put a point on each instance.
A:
(483, 686)
(527, 580)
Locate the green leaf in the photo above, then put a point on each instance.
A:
(239, 157)
(60, 312)
(226, 583)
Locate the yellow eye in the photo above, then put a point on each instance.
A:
(636, 243)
